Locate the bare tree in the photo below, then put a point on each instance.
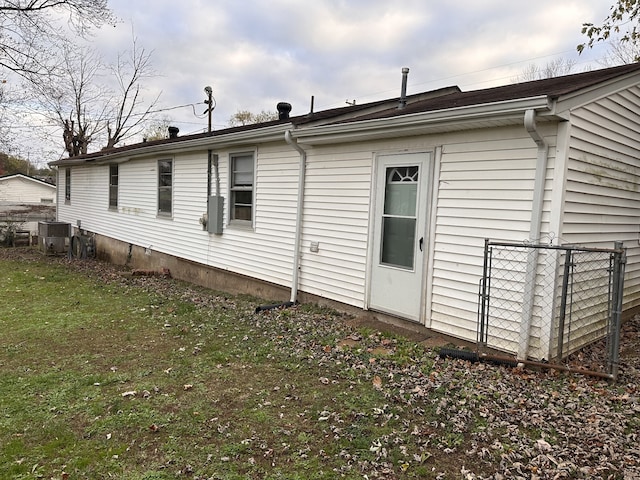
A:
(620, 53)
(554, 68)
(74, 100)
(245, 117)
(157, 129)
(29, 29)
(90, 111)
(129, 71)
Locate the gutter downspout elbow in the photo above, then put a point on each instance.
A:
(541, 174)
(295, 274)
(534, 232)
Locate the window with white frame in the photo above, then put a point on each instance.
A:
(165, 186)
(113, 186)
(241, 185)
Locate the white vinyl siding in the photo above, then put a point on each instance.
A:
(485, 190)
(24, 190)
(266, 251)
(602, 201)
(336, 216)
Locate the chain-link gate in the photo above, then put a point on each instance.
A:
(560, 305)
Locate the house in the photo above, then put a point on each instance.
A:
(382, 207)
(26, 200)
(21, 189)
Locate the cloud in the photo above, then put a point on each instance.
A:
(255, 53)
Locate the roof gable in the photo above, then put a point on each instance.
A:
(22, 176)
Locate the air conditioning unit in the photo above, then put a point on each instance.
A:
(53, 237)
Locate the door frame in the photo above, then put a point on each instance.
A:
(427, 209)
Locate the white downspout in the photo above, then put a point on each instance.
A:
(534, 232)
(298, 235)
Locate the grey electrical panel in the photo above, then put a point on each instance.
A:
(215, 215)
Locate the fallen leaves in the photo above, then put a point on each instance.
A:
(428, 413)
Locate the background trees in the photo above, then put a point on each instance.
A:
(245, 117)
(29, 30)
(96, 103)
(622, 23)
(10, 164)
(554, 68)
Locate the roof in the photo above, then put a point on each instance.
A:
(26, 177)
(435, 100)
(552, 88)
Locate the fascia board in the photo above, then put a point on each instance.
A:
(597, 92)
(416, 122)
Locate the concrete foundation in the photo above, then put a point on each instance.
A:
(138, 257)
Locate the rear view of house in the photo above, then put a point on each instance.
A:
(383, 207)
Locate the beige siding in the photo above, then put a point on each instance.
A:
(603, 181)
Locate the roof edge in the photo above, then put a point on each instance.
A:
(359, 129)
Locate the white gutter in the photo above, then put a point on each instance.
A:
(295, 274)
(534, 232)
(375, 128)
(251, 136)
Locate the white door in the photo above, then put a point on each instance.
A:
(399, 244)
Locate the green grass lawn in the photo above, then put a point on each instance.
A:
(104, 375)
(107, 378)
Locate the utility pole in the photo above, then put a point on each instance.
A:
(209, 101)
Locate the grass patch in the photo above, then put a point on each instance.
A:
(107, 376)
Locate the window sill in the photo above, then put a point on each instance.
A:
(241, 225)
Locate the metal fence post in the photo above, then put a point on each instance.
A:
(616, 306)
(484, 297)
(563, 303)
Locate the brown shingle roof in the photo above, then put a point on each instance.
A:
(440, 99)
(550, 87)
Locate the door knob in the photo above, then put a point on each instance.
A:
(420, 242)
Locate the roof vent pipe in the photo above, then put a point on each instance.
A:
(173, 132)
(403, 90)
(284, 109)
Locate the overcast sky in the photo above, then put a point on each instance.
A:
(255, 53)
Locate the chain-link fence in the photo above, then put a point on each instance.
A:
(552, 304)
